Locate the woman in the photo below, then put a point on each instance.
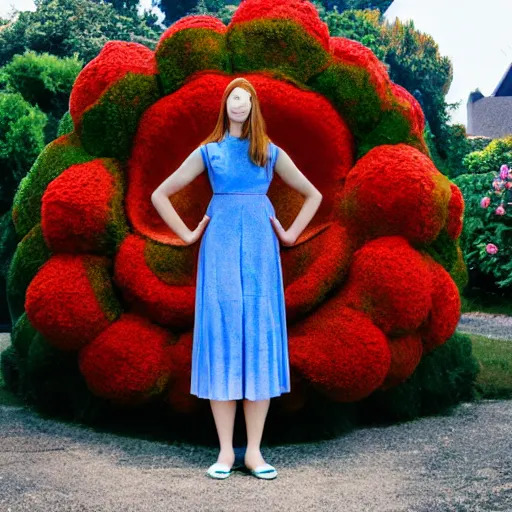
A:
(240, 345)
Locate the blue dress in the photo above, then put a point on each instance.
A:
(240, 343)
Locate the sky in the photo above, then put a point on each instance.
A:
(474, 34)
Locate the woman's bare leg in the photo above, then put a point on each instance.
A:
(255, 414)
(224, 415)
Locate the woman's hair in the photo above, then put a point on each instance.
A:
(254, 127)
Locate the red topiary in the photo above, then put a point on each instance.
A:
(390, 281)
(396, 190)
(128, 362)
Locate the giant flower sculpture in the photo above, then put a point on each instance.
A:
(370, 286)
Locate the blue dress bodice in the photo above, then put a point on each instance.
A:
(230, 169)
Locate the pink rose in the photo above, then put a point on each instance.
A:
(508, 185)
(500, 210)
(504, 172)
(504, 167)
(497, 184)
(491, 249)
(485, 202)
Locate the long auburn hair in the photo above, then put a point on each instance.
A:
(254, 127)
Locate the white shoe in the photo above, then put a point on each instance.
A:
(219, 470)
(265, 471)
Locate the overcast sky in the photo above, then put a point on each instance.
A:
(475, 35)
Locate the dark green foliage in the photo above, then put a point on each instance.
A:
(457, 147)
(9, 368)
(444, 250)
(393, 128)
(482, 226)
(21, 337)
(51, 378)
(109, 127)
(443, 378)
(8, 242)
(343, 5)
(176, 9)
(124, 7)
(301, 57)
(479, 142)
(65, 124)
(44, 81)
(217, 8)
(362, 26)
(489, 159)
(31, 254)
(55, 158)
(66, 27)
(21, 140)
(188, 51)
(352, 94)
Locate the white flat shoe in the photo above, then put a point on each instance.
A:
(265, 471)
(219, 470)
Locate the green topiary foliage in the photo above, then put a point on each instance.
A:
(53, 381)
(107, 129)
(65, 125)
(349, 88)
(444, 250)
(31, 253)
(276, 44)
(443, 378)
(188, 51)
(22, 335)
(55, 158)
(392, 128)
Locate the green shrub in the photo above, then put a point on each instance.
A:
(486, 239)
(496, 153)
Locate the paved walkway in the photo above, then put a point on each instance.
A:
(485, 324)
(460, 462)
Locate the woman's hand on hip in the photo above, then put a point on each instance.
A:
(198, 232)
(285, 237)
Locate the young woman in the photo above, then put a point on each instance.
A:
(240, 344)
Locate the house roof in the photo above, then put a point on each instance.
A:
(504, 87)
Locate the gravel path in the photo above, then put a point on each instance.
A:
(460, 462)
(485, 324)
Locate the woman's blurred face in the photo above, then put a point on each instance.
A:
(239, 105)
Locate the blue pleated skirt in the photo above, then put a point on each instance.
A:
(240, 343)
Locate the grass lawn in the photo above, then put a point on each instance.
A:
(494, 379)
(495, 357)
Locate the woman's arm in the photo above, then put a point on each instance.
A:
(293, 177)
(192, 167)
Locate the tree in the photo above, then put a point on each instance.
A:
(125, 7)
(44, 81)
(175, 9)
(345, 5)
(215, 8)
(414, 62)
(66, 27)
(21, 141)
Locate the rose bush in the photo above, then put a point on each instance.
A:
(487, 234)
